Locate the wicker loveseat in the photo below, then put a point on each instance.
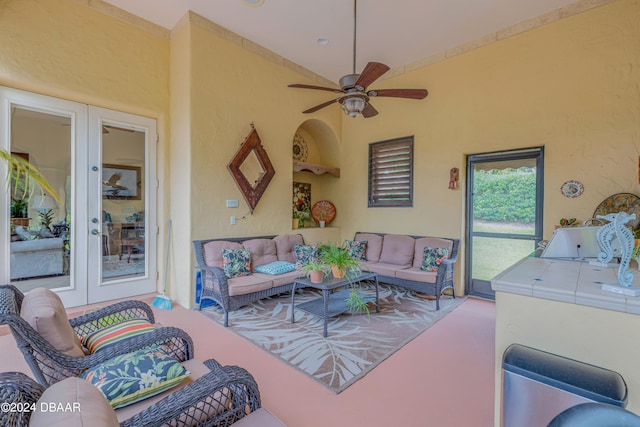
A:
(398, 259)
(234, 293)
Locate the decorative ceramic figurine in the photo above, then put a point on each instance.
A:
(616, 228)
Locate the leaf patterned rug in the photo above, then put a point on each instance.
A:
(356, 343)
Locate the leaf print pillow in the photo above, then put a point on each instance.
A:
(236, 262)
(135, 376)
(433, 257)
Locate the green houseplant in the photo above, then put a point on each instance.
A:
(24, 176)
(339, 259)
(342, 264)
(315, 270)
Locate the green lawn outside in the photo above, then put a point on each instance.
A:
(493, 255)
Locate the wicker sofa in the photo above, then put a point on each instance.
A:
(398, 258)
(234, 293)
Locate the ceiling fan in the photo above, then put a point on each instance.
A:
(355, 97)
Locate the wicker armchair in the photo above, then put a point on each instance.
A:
(195, 404)
(50, 365)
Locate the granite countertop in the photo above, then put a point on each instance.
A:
(567, 281)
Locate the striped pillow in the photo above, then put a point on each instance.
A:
(115, 333)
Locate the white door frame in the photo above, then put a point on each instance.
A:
(85, 195)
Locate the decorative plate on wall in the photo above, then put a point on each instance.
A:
(300, 150)
(621, 202)
(571, 189)
(323, 210)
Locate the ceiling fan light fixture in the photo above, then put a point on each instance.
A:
(353, 106)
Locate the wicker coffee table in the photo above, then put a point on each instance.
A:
(331, 303)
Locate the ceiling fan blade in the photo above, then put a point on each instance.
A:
(319, 107)
(400, 93)
(300, 86)
(372, 72)
(369, 111)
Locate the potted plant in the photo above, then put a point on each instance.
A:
(321, 219)
(343, 265)
(315, 271)
(19, 211)
(296, 219)
(339, 259)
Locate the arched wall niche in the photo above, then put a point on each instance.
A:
(321, 168)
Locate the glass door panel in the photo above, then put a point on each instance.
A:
(40, 249)
(122, 205)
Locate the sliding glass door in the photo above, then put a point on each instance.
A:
(78, 245)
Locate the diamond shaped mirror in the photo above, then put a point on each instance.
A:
(251, 169)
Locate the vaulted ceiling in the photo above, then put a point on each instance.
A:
(396, 33)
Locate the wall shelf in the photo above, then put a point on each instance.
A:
(299, 166)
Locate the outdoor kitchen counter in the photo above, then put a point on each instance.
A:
(559, 307)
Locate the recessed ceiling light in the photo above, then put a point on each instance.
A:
(322, 41)
(253, 3)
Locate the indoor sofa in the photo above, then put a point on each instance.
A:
(398, 260)
(233, 293)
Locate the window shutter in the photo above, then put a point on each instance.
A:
(391, 173)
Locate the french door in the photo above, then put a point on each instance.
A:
(98, 240)
(504, 213)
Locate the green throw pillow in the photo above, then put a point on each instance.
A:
(357, 249)
(236, 262)
(135, 376)
(433, 257)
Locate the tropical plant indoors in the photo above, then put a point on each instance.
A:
(23, 177)
(342, 264)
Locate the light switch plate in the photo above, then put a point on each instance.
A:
(232, 203)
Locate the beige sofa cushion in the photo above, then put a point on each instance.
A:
(374, 245)
(414, 273)
(44, 311)
(280, 279)
(213, 251)
(247, 284)
(263, 251)
(78, 403)
(284, 245)
(260, 418)
(397, 249)
(432, 242)
(384, 268)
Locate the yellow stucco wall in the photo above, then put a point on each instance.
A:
(571, 86)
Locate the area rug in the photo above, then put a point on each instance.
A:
(356, 343)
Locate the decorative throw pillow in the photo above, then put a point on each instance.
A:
(236, 262)
(304, 254)
(433, 257)
(103, 338)
(276, 267)
(357, 249)
(135, 376)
